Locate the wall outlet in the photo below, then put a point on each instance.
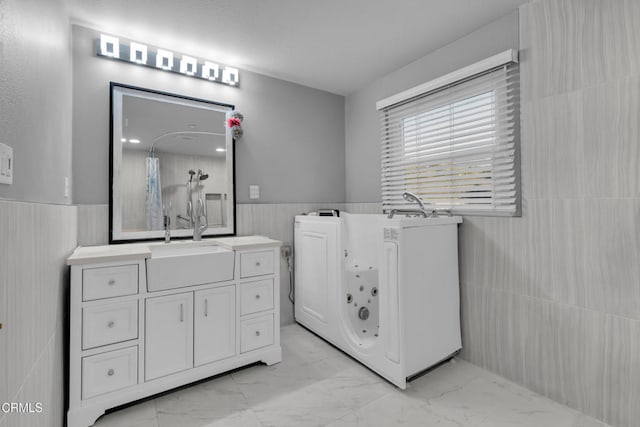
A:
(6, 164)
(66, 187)
(254, 192)
(285, 251)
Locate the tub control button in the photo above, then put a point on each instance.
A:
(111, 324)
(363, 313)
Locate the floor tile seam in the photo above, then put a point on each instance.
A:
(353, 411)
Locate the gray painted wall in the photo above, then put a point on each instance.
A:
(293, 143)
(35, 101)
(362, 132)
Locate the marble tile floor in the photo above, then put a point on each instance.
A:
(317, 385)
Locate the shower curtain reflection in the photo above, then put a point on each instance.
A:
(155, 220)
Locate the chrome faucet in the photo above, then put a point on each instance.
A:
(167, 224)
(167, 230)
(413, 198)
(200, 214)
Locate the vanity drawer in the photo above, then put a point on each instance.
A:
(256, 263)
(108, 282)
(256, 333)
(256, 296)
(109, 324)
(111, 371)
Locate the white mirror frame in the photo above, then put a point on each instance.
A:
(116, 233)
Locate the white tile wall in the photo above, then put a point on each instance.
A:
(35, 240)
(551, 300)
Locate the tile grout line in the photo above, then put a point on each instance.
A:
(33, 367)
(551, 301)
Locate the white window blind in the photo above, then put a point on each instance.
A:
(456, 146)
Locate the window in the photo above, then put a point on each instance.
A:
(455, 147)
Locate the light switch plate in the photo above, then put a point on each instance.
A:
(254, 191)
(6, 164)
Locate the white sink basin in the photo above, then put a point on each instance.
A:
(180, 265)
(178, 249)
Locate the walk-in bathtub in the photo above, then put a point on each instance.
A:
(383, 290)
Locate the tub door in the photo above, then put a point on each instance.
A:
(316, 272)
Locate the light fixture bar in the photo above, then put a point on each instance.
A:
(111, 47)
(138, 53)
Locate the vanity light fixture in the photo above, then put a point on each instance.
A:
(109, 46)
(134, 141)
(221, 150)
(164, 59)
(210, 70)
(230, 76)
(188, 65)
(137, 53)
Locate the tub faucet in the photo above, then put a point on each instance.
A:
(167, 224)
(413, 198)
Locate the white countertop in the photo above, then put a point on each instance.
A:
(139, 251)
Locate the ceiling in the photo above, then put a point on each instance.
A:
(334, 45)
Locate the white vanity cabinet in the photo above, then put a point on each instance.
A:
(168, 340)
(214, 334)
(130, 338)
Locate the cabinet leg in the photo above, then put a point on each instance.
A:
(83, 417)
(274, 356)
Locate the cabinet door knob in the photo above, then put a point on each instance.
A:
(257, 296)
(110, 372)
(257, 333)
(112, 282)
(258, 264)
(111, 324)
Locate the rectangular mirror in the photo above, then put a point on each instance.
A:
(172, 163)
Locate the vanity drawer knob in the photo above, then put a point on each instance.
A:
(257, 333)
(112, 282)
(110, 372)
(111, 324)
(258, 264)
(257, 296)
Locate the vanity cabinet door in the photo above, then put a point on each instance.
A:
(169, 335)
(214, 324)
